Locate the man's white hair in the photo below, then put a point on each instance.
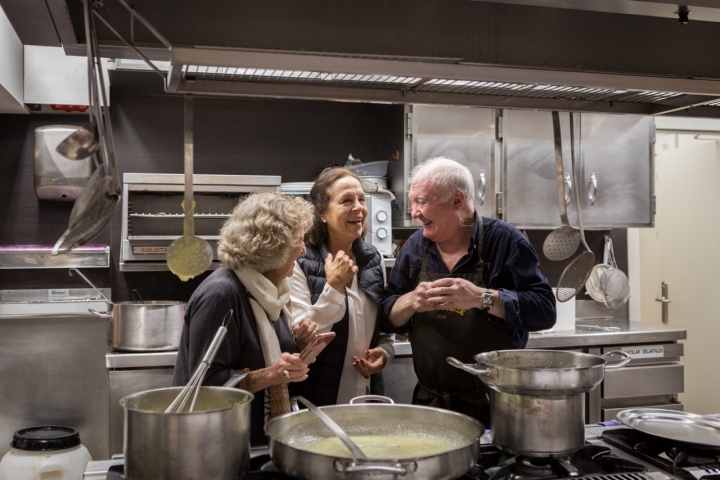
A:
(446, 176)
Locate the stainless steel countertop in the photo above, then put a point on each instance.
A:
(629, 333)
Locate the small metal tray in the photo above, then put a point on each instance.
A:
(696, 430)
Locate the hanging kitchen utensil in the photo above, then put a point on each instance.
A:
(698, 432)
(592, 285)
(95, 206)
(336, 429)
(614, 284)
(576, 273)
(564, 241)
(80, 144)
(189, 256)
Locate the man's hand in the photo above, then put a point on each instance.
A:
(421, 299)
(454, 293)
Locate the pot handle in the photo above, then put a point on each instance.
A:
(367, 398)
(621, 364)
(401, 469)
(482, 372)
(99, 314)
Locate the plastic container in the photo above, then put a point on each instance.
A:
(370, 169)
(45, 453)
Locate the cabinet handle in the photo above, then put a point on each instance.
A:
(481, 194)
(665, 300)
(592, 194)
(568, 191)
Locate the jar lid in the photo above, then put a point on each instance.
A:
(45, 438)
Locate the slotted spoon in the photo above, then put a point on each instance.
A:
(189, 256)
(564, 241)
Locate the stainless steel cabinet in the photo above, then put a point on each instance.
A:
(464, 134)
(614, 162)
(616, 170)
(511, 155)
(529, 178)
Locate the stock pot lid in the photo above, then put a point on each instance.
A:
(45, 438)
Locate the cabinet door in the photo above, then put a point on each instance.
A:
(463, 134)
(616, 171)
(530, 181)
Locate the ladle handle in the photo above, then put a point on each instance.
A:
(90, 283)
(188, 204)
(559, 173)
(337, 430)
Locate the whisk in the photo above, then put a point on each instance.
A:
(192, 389)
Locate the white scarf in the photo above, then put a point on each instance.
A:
(267, 301)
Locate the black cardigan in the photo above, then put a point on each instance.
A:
(241, 349)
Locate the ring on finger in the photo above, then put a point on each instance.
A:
(286, 374)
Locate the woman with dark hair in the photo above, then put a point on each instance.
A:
(337, 283)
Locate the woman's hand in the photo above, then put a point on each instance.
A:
(339, 270)
(373, 362)
(289, 369)
(304, 331)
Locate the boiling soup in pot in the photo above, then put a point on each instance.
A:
(380, 446)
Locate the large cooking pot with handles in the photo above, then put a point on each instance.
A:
(537, 400)
(385, 432)
(141, 326)
(212, 441)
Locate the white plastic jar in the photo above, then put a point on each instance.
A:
(45, 453)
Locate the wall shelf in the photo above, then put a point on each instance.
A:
(16, 257)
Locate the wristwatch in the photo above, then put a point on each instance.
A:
(487, 299)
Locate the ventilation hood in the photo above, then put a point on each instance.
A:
(618, 56)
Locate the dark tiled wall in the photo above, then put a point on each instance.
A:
(294, 139)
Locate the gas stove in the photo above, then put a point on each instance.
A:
(677, 459)
(597, 460)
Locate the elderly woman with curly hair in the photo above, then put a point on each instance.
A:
(258, 247)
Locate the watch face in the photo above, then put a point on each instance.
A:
(487, 299)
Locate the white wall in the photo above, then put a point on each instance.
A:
(11, 68)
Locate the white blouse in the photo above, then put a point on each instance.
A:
(330, 309)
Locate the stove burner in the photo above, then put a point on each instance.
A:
(535, 467)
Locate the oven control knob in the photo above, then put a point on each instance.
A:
(381, 233)
(381, 216)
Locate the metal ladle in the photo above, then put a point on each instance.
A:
(189, 256)
(336, 429)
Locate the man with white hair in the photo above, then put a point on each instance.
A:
(462, 285)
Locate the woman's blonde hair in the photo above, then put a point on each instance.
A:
(263, 230)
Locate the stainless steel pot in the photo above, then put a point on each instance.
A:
(288, 433)
(211, 442)
(146, 326)
(141, 326)
(537, 404)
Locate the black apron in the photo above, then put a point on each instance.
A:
(438, 334)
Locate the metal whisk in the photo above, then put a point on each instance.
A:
(192, 389)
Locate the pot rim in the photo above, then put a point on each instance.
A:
(600, 364)
(149, 303)
(366, 406)
(124, 401)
